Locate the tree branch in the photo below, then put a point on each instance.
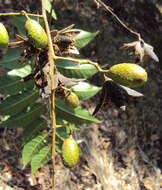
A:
(51, 56)
(109, 9)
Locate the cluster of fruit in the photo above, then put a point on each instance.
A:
(127, 74)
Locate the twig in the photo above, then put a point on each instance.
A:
(20, 14)
(51, 56)
(109, 9)
(82, 62)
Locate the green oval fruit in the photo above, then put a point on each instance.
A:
(128, 74)
(71, 100)
(70, 152)
(36, 34)
(3, 36)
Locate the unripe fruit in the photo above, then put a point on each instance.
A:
(3, 36)
(71, 100)
(70, 152)
(128, 74)
(36, 33)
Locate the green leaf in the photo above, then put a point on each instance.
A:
(21, 72)
(10, 59)
(11, 85)
(41, 158)
(19, 21)
(62, 133)
(33, 147)
(85, 90)
(73, 70)
(33, 129)
(48, 7)
(25, 118)
(77, 116)
(83, 38)
(15, 104)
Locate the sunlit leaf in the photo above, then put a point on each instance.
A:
(21, 72)
(48, 7)
(25, 118)
(33, 147)
(77, 116)
(15, 104)
(73, 70)
(85, 90)
(83, 38)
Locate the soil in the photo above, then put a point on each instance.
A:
(124, 151)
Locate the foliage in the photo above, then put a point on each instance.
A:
(19, 107)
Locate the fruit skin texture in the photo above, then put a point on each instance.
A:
(3, 36)
(128, 74)
(71, 100)
(70, 152)
(36, 34)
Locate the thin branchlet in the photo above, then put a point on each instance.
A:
(110, 10)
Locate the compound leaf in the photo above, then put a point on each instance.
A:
(48, 7)
(73, 70)
(85, 90)
(15, 104)
(83, 38)
(25, 118)
(33, 129)
(40, 159)
(33, 147)
(78, 115)
(10, 59)
(21, 72)
(11, 85)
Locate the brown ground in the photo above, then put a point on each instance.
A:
(124, 152)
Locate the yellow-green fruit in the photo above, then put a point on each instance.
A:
(70, 152)
(3, 36)
(128, 74)
(36, 33)
(71, 100)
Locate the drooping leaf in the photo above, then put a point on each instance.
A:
(10, 59)
(83, 38)
(11, 85)
(85, 90)
(73, 70)
(41, 158)
(19, 21)
(48, 7)
(21, 72)
(15, 104)
(25, 118)
(33, 129)
(32, 147)
(77, 116)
